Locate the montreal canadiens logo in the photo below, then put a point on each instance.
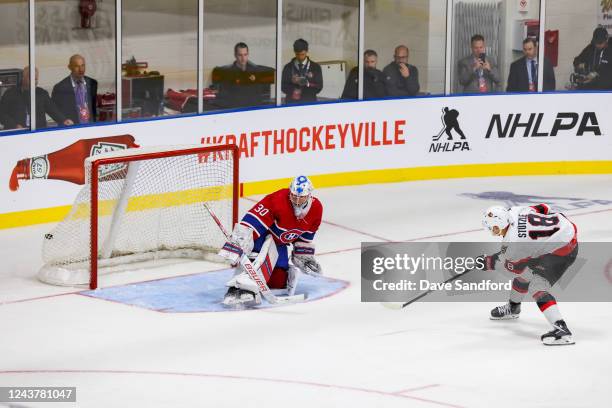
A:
(290, 236)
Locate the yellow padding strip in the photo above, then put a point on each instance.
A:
(437, 172)
(54, 214)
(105, 207)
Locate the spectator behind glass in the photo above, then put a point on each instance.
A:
(401, 78)
(478, 72)
(75, 95)
(242, 83)
(373, 79)
(15, 106)
(523, 75)
(594, 64)
(302, 78)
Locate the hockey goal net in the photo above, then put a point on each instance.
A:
(143, 204)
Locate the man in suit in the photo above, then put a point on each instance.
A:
(75, 95)
(302, 78)
(15, 106)
(401, 78)
(478, 72)
(373, 79)
(523, 75)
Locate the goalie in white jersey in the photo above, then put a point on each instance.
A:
(538, 246)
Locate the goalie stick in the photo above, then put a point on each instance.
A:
(254, 273)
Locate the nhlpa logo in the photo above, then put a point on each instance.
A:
(450, 123)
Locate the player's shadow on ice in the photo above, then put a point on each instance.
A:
(516, 327)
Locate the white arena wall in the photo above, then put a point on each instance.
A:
(351, 143)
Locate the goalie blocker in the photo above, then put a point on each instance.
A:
(287, 217)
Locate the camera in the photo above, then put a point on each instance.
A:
(578, 77)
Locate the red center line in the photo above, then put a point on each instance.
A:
(38, 297)
(357, 231)
(339, 226)
(424, 387)
(407, 240)
(237, 377)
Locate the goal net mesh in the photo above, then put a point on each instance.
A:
(146, 209)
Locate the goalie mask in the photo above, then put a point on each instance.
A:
(300, 195)
(496, 216)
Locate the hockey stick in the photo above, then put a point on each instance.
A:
(254, 273)
(398, 306)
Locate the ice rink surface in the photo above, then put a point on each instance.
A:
(333, 352)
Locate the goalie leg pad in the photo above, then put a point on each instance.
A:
(244, 281)
(265, 263)
(293, 274)
(278, 280)
(267, 258)
(278, 276)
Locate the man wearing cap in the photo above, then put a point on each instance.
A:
(596, 61)
(302, 78)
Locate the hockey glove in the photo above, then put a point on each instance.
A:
(303, 257)
(240, 242)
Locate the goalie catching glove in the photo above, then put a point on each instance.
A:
(303, 257)
(240, 242)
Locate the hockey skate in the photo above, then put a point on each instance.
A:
(506, 312)
(242, 291)
(559, 336)
(236, 297)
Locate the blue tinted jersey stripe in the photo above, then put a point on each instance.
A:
(253, 222)
(276, 230)
(307, 236)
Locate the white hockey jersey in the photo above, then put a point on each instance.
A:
(533, 232)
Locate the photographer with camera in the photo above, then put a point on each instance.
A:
(478, 72)
(302, 78)
(593, 67)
